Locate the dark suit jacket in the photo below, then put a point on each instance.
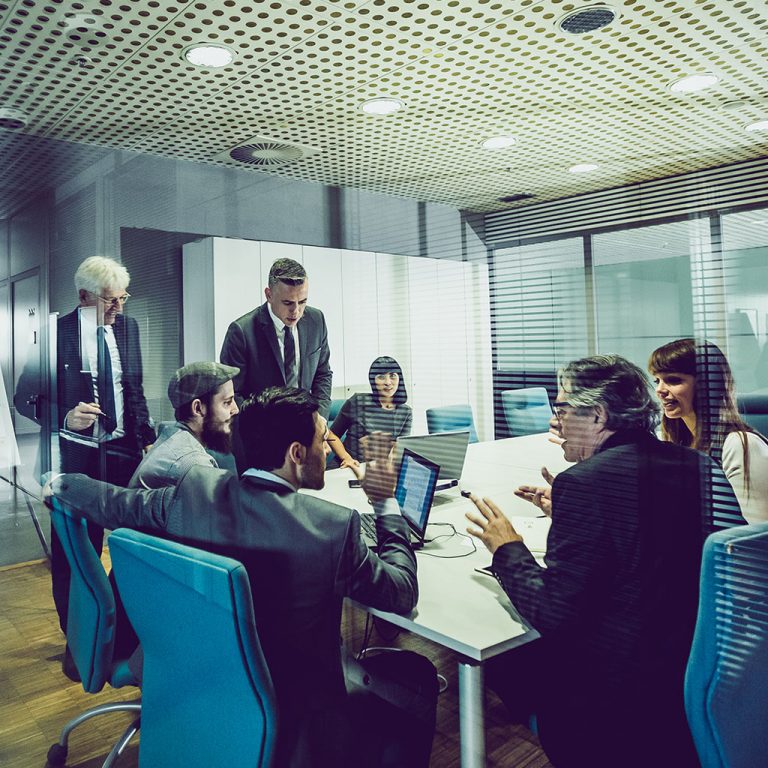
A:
(616, 605)
(302, 554)
(251, 345)
(75, 386)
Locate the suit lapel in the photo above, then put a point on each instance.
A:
(264, 319)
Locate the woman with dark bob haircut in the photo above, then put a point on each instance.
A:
(695, 386)
(383, 410)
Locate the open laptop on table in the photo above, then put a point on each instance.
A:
(446, 449)
(415, 490)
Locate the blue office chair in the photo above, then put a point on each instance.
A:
(91, 632)
(336, 404)
(526, 410)
(726, 682)
(754, 410)
(451, 418)
(207, 696)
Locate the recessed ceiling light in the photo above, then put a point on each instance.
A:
(499, 142)
(211, 55)
(583, 168)
(760, 125)
(693, 83)
(382, 105)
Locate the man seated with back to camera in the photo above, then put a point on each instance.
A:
(303, 555)
(616, 605)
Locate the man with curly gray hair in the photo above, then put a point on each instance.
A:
(615, 603)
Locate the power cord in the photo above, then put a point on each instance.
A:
(453, 533)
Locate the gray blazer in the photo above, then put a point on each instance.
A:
(251, 345)
(303, 556)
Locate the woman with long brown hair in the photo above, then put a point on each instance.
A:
(695, 386)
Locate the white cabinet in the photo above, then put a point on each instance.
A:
(431, 315)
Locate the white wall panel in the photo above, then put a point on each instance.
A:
(236, 284)
(394, 309)
(323, 267)
(360, 305)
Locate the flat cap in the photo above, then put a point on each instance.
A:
(197, 379)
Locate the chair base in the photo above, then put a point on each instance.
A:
(57, 754)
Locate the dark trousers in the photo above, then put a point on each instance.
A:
(386, 721)
(584, 721)
(121, 460)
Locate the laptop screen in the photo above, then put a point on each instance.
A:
(416, 489)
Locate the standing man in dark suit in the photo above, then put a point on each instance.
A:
(283, 342)
(104, 423)
(303, 556)
(616, 603)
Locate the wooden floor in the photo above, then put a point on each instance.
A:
(37, 699)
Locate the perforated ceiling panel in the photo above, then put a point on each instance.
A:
(111, 74)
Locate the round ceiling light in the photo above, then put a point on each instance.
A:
(211, 55)
(583, 168)
(499, 142)
(382, 105)
(760, 125)
(693, 83)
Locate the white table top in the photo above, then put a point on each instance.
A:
(459, 608)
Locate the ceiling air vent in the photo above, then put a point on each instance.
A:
(266, 152)
(516, 198)
(588, 18)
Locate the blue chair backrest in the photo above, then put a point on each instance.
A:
(726, 682)
(336, 404)
(754, 410)
(91, 617)
(451, 418)
(526, 410)
(207, 696)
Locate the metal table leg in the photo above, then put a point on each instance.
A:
(471, 715)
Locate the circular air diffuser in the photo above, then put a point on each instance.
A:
(589, 18)
(266, 154)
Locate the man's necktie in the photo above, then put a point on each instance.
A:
(289, 359)
(104, 384)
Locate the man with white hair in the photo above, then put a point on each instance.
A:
(103, 420)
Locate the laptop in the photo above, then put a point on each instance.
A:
(415, 490)
(446, 449)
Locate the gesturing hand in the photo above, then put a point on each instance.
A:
(540, 497)
(492, 526)
(380, 477)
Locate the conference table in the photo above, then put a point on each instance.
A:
(459, 608)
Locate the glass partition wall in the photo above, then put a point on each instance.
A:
(628, 291)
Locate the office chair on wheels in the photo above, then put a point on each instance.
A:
(91, 632)
(726, 681)
(207, 696)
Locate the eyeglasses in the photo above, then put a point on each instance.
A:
(113, 301)
(561, 409)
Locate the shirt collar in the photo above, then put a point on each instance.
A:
(278, 323)
(262, 474)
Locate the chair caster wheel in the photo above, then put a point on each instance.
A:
(57, 755)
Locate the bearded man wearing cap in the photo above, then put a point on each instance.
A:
(203, 398)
